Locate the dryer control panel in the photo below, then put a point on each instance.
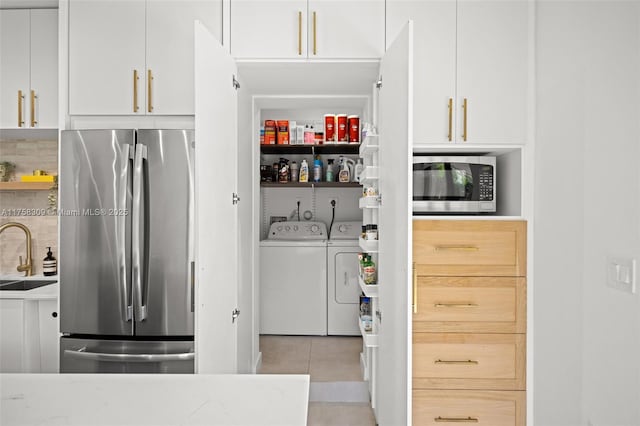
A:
(298, 231)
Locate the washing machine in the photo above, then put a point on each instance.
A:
(343, 290)
(293, 279)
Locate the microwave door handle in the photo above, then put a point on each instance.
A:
(137, 230)
(126, 160)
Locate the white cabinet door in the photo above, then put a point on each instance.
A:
(44, 67)
(395, 126)
(12, 339)
(434, 65)
(170, 51)
(216, 123)
(339, 29)
(493, 70)
(106, 47)
(48, 321)
(269, 29)
(14, 68)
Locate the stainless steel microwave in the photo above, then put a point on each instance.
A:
(454, 184)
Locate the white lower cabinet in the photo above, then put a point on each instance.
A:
(28, 336)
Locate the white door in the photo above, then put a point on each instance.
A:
(395, 125)
(269, 29)
(434, 65)
(339, 29)
(106, 47)
(44, 67)
(170, 51)
(216, 214)
(14, 68)
(493, 70)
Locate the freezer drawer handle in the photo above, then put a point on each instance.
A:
(98, 356)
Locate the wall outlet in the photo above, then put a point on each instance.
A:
(333, 199)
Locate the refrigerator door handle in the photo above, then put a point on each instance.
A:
(137, 237)
(126, 158)
(107, 357)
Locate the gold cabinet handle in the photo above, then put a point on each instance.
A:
(455, 305)
(135, 91)
(415, 289)
(315, 43)
(450, 119)
(456, 419)
(299, 33)
(33, 109)
(465, 107)
(149, 96)
(456, 362)
(20, 98)
(456, 247)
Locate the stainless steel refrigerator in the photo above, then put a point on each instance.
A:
(126, 209)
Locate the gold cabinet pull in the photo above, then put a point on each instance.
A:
(465, 107)
(315, 43)
(135, 91)
(456, 247)
(149, 97)
(455, 305)
(20, 98)
(456, 419)
(33, 109)
(299, 33)
(450, 119)
(456, 362)
(415, 289)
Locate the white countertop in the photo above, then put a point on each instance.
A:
(160, 399)
(46, 292)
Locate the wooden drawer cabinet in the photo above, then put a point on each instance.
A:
(469, 322)
(470, 305)
(469, 248)
(483, 408)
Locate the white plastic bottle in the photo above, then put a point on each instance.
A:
(304, 172)
(358, 169)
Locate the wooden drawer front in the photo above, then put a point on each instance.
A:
(469, 248)
(482, 408)
(472, 305)
(469, 361)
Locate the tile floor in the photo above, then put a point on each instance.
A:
(332, 361)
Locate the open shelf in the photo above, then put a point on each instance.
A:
(26, 186)
(370, 246)
(334, 148)
(369, 145)
(369, 175)
(369, 339)
(369, 290)
(310, 184)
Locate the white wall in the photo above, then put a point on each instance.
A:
(587, 335)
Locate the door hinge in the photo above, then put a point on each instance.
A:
(379, 82)
(379, 315)
(236, 83)
(379, 199)
(234, 315)
(235, 198)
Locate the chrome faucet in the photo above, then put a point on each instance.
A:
(27, 268)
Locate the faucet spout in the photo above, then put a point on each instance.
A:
(27, 268)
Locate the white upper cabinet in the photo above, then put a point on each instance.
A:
(307, 29)
(115, 47)
(468, 50)
(29, 68)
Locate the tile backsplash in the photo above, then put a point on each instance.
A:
(28, 155)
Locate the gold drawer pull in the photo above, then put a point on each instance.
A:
(456, 305)
(456, 419)
(456, 247)
(20, 98)
(467, 362)
(33, 109)
(149, 89)
(135, 91)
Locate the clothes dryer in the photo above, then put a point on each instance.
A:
(343, 290)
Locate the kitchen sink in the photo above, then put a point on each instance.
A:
(23, 284)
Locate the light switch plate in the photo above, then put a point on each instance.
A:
(621, 274)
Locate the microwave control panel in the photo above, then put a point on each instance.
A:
(486, 184)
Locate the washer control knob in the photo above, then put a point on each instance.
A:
(315, 228)
(295, 228)
(288, 228)
(342, 228)
(279, 228)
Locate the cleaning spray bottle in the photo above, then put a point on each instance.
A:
(304, 171)
(358, 170)
(344, 175)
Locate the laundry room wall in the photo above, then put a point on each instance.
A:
(283, 202)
